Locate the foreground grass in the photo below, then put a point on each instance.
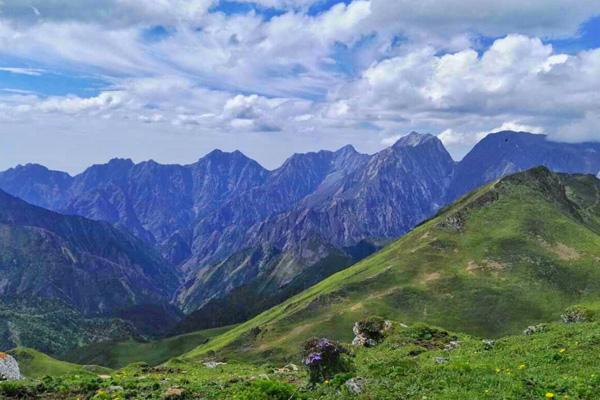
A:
(560, 361)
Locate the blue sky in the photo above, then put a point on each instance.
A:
(82, 82)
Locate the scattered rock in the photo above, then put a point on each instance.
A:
(115, 388)
(488, 344)
(370, 332)
(441, 360)
(104, 377)
(362, 341)
(213, 364)
(533, 329)
(453, 344)
(356, 385)
(292, 367)
(9, 368)
(173, 393)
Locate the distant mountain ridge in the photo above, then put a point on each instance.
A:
(70, 274)
(235, 229)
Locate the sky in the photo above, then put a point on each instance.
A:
(84, 81)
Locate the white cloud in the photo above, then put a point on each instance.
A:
(517, 127)
(402, 65)
(22, 71)
(488, 17)
(518, 83)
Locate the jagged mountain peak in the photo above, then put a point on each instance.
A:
(415, 139)
(347, 149)
(121, 161)
(218, 155)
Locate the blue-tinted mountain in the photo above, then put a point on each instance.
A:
(240, 234)
(362, 200)
(503, 153)
(79, 269)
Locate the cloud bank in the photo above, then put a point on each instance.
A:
(294, 71)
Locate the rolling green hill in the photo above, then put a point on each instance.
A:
(512, 253)
(34, 364)
(120, 354)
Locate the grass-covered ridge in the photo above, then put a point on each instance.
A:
(515, 252)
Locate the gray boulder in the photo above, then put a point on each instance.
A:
(356, 385)
(9, 368)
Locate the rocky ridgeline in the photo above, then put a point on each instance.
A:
(9, 368)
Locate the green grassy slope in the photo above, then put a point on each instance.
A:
(559, 362)
(34, 364)
(120, 354)
(515, 252)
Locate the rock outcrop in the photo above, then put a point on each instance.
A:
(370, 332)
(9, 368)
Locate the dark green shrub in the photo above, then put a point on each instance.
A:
(15, 389)
(269, 390)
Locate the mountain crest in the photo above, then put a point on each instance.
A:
(415, 139)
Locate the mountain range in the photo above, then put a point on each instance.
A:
(234, 238)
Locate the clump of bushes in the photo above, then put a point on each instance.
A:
(323, 358)
(431, 338)
(576, 314)
(16, 389)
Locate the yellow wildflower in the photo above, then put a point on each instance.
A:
(562, 350)
(326, 382)
(522, 366)
(549, 395)
(498, 370)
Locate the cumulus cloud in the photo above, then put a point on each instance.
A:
(518, 83)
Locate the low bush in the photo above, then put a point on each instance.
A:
(323, 359)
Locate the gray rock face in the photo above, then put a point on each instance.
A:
(9, 368)
(351, 197)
